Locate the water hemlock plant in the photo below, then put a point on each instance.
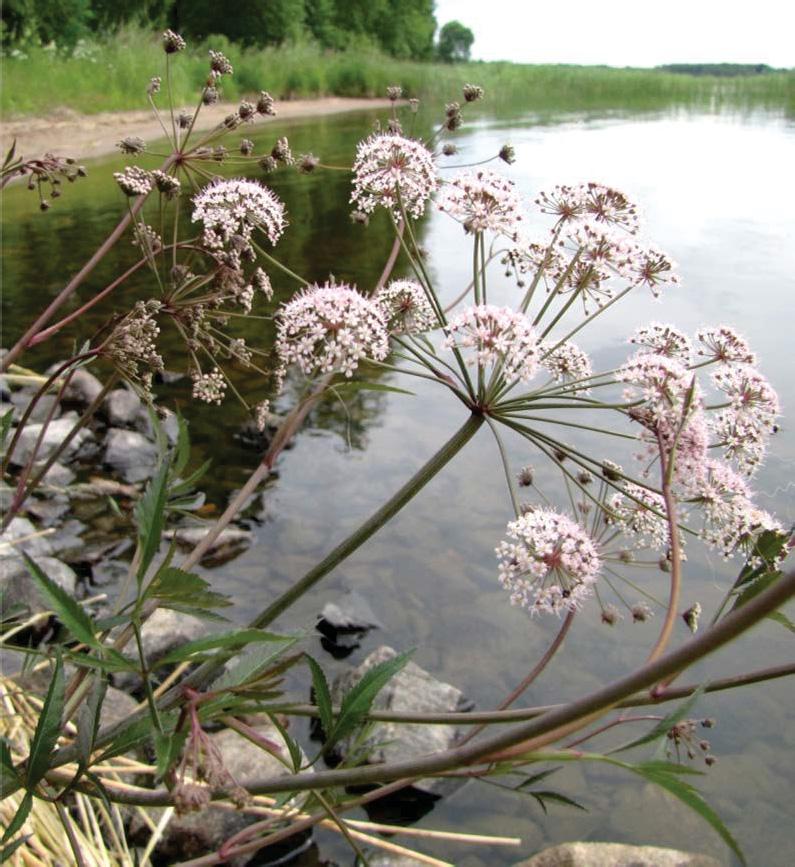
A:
(676, 432)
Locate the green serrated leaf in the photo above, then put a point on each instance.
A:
(183, 486)
(293, 747)
(664, 726)
(132, 735)
(201, 613)
(252, 666)
(88, 720)
(693, 799)
(150, 518)
(23, 810)
(168, 746)
(48, 727)
(357, 703)
(113, 663)
(68, 611)
(322, 695)
(182, 448)
(780, 617)
(222, 641)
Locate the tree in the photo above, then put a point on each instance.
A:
(455, 42)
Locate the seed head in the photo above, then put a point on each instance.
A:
(219, 64)
(307, 163)
(172, 42)
(154, 85)
(246, 147)
(265, 104)
(472, 92)
(507, 154)
(394, 92)
(132, 144)
(246, 111)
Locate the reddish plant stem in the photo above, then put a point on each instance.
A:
(22, 344)
(607, 726)
(676, 558)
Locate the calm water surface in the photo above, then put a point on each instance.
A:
(717, 193)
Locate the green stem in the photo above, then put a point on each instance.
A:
(374, 523)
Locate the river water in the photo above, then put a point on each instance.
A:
(717, 193)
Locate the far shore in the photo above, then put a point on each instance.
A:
(86, 136)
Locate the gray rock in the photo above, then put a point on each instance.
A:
(414, 690)
(168, 422)
(167, 629)
(22, 528)
(615, 855)
(386, 859)
(108, 572)
(67, 543)
(231, 542)
(130, 454)
(47, 511)
(83, 387)
(351, 612)
(122, 406)
(20, 399)
(58, 476)
(195, 834)
(17, 587)
(56, 433)
(116, 707)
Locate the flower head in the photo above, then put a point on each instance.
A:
(390, 170)
(568, 363)
(548, 563)
(406, 307)
(231, 209)
(498, 335)
(640, 513)
(722, 343)
(663, 340)
(134, 181)
(331, 328)
(483, 201)
(595, 201)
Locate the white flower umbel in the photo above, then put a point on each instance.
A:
(483, 201)
(568, 363)
(390, 169)
(406, 307)
(232, 209)
(331, 328)
(548, 563)
(498, 335)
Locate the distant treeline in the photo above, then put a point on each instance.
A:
(401, 28)
(720, 70)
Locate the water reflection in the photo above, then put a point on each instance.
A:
(717, 192)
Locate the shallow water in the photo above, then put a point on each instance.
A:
(717, 192)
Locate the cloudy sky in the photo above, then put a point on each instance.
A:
(628, 32)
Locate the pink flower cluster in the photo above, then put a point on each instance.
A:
(498, 336)
(330, 328)
(231, 209)
(591, 200)
(548, 563)
(390, 170)
(482, 201)
(406, 307)
(568, 363)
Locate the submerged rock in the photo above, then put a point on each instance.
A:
(230, 543)
(35, 544)
(130, 454)
(122, 406)
(18, 589)
(615, 855)
(56, 433)
(413, 690)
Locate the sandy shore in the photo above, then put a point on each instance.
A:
(85, 136)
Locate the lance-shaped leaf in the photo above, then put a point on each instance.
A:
(150, 517)
(231, 641)
(68, 611)
(48, 727)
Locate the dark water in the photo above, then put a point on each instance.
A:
(717, 192)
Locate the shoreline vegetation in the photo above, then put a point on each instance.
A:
(111, 75)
